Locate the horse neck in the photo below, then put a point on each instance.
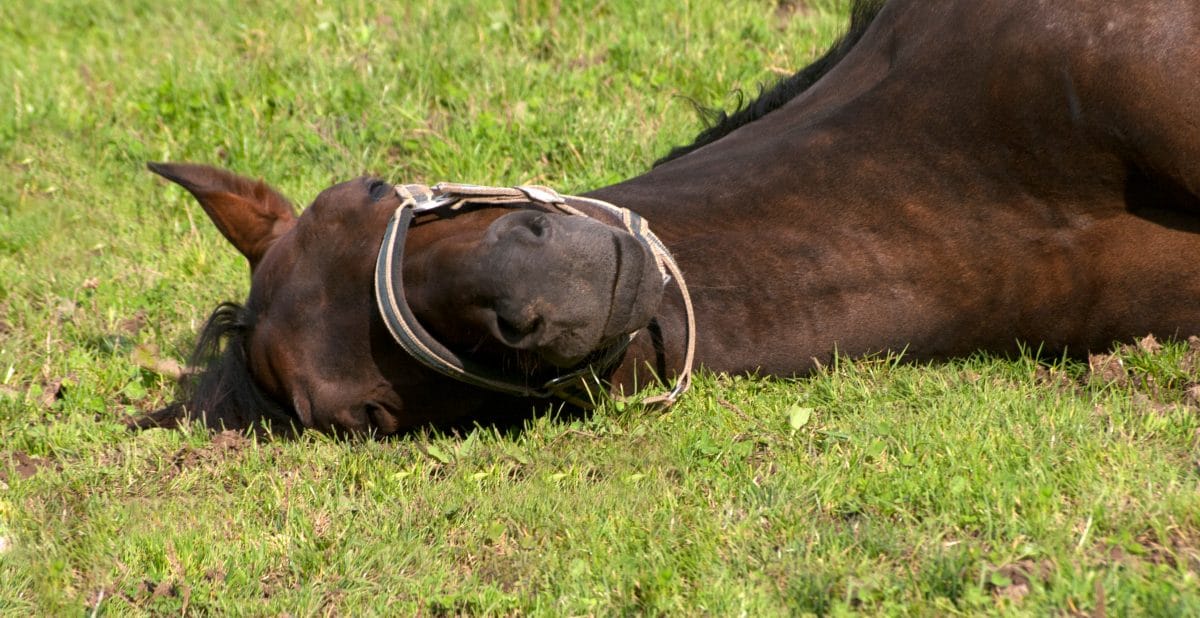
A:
(835, 221)
(728, 234)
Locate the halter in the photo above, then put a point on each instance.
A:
(576, 386)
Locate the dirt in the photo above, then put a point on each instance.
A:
(142, 594)
(170, 417)
(1191, 359)
(145, 591)
(498, 561)
(1113, 369)
(148, 357)
(277, 581)
(65, 311)
(52, 392)
(1107, 369)
(1177, 550)
(1052, 377)
(787, 10)
(588, 60)
(131, 326)
(224, 445)
(22, 466)
(149, 589)
(1149, 345)
(1191, 395)
(1146, 403)
(1020, 576)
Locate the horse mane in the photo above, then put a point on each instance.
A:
(222, 394)
(721, 123)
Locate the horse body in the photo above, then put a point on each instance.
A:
(958, 176)
(927, 197)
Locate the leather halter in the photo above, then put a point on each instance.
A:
(578, 386)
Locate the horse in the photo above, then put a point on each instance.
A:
(947, 178)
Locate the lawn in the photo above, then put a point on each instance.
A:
(1025, 486)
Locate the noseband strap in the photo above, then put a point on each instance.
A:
(576, 386)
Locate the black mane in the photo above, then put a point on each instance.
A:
(721, 123)
(222, 395)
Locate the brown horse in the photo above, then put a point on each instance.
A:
(950, 177)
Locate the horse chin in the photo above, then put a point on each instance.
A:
(555, 359)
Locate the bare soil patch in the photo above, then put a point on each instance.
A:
(224, 445)
(22, 466)
(787, 10)
(1115, 369)
(1014, 581)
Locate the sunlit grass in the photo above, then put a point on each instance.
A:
(981, 485)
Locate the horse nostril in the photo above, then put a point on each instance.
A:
(526, 226)
(515, 332)
(383, 421)
(540, 226)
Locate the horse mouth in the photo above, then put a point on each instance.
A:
(637, 288)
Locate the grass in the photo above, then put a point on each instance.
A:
(984, 485)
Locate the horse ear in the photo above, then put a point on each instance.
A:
(249, 213)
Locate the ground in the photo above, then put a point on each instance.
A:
(1019, 485)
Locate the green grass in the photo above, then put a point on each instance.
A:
(983, 485)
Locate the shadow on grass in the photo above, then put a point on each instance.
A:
(509, 422)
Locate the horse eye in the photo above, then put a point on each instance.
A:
(379, 190)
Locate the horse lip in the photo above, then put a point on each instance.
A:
(630, 284)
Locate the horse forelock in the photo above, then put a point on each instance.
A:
(224, 394)
(721, 123)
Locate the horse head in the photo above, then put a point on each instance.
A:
(527, 292)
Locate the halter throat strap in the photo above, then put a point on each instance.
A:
(579, 386)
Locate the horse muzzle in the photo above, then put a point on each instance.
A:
(563, 287)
